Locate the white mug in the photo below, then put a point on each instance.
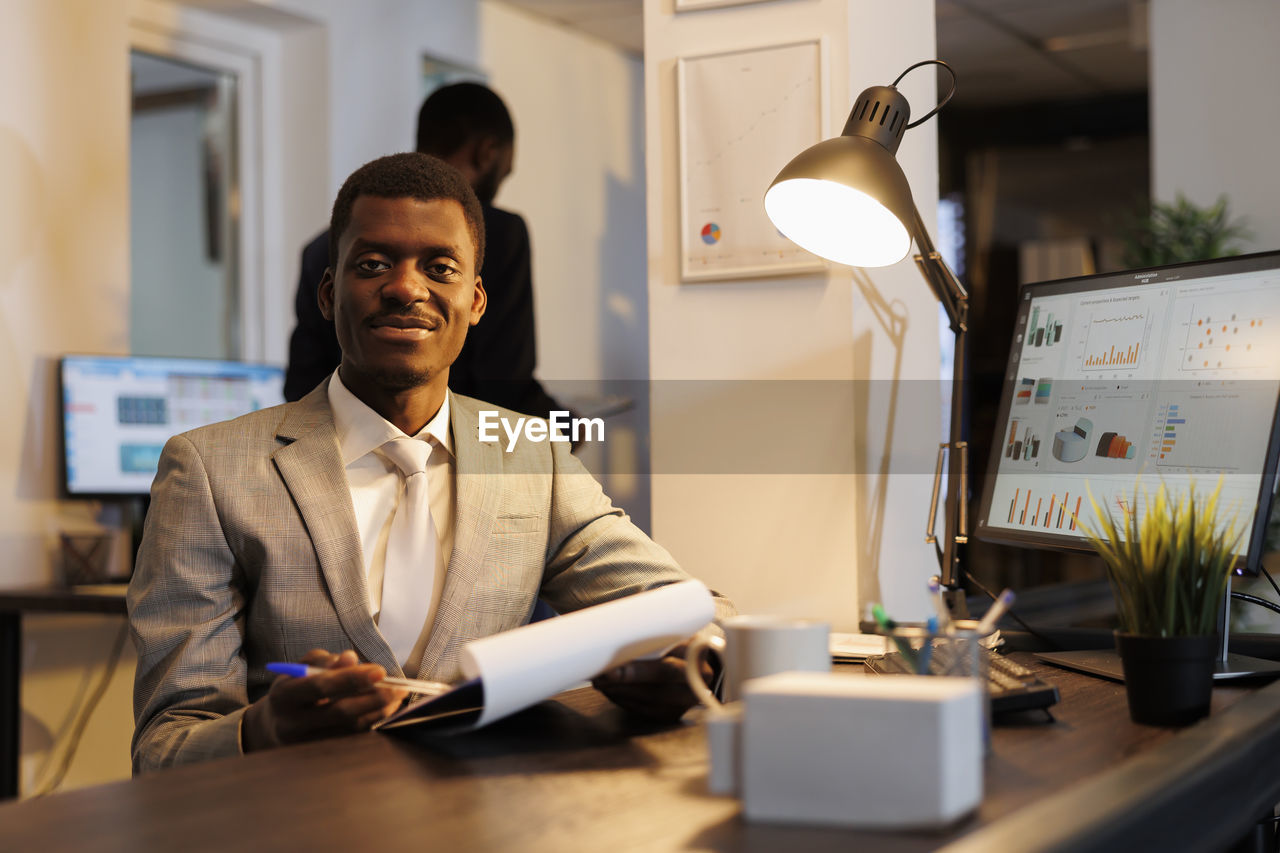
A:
(723, 725)
(758, 645)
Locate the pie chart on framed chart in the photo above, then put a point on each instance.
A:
(711, 233)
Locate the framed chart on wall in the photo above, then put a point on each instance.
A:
(743, 115)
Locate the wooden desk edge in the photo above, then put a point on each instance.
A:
(1194, 791)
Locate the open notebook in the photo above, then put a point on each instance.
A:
(508, 672)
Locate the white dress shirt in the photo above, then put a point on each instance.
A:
(377, 486)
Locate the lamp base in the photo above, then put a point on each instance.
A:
(957, 603)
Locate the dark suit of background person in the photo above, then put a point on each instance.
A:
(467, 126)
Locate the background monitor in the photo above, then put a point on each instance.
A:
(1127, 380)
(117, 413)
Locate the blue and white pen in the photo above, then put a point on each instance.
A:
(926, 651)
(302, 670)
(994, 612)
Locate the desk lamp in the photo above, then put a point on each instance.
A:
(847, 200)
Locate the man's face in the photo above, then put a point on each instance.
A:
(502, 156)
(402, 292)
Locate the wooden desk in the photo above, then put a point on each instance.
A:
(13, 603)
(577, 774)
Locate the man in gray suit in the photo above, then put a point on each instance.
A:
(267, 535)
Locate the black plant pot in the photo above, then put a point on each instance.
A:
(1169, 680)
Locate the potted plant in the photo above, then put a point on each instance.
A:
(1181, 231)
(1169, 573)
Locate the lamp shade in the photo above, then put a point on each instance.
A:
(845, 199)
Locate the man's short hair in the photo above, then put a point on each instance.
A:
(453, 115)
(409, 175)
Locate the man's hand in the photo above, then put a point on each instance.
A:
(656, 689)
(339, 701)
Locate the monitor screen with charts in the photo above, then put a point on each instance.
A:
(117, 413)
(1117, 383)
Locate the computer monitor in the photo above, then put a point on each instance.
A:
(1127, 380)
(117, 413)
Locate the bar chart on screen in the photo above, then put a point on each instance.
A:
(1188, 432)
(1114, 340)
(1050, 510)
(1169, 421)
(1024, 444)
(1044, 330)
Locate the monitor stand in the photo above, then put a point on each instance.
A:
(1106, 662)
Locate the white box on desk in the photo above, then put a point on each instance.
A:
(852, 750)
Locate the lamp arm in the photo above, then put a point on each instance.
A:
(955, 299)
(957, 503)
(942, 281)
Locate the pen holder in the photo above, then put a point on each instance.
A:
(956, 654)
(920, 652)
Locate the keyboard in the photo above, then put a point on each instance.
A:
(1011, 686)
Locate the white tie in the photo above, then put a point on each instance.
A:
(409, 572)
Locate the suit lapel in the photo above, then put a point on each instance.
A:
(477, 471)
(310, 464)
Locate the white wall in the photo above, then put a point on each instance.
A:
(813, 544)
(64, 286)
(64, 253)
(578, 179)
(1214, 114)
(375, 48)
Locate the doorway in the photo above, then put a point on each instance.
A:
(185, 288)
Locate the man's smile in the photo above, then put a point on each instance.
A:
(400, 327)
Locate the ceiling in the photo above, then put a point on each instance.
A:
(1004, 51)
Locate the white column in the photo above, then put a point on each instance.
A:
(803, 543)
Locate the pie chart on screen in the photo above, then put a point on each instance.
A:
(711, 233)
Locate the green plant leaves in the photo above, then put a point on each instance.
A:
(1180, 232)
(1170, 571)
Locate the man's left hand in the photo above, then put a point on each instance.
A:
(656, 689)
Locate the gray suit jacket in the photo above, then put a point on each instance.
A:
(251, 554)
